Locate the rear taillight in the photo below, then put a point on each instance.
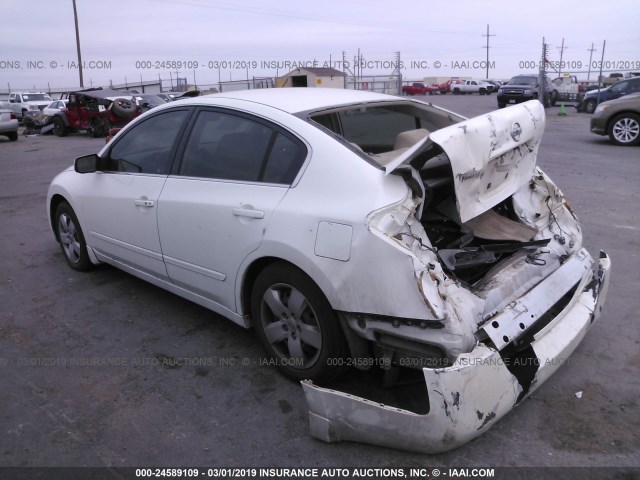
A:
(13, 116)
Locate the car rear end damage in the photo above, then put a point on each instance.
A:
(508, 290)
(468, 397)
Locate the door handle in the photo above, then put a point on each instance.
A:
(144, 203)
(245, 212)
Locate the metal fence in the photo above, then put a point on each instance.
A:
(248, 84)
(390, 84)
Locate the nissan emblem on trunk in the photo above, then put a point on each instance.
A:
(516, 131)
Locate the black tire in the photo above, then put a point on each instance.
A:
(589, 106)
(59, 128)
(123, 107)
(290, 312)
(456, 91)
(482, 91)
(501, 105)
(99, 127)
(71, 238)
(13, 136)
(624, 129)
(554, 98)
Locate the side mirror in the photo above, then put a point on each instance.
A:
(87, 163)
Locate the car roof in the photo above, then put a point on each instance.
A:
(294, 100)
(103, 93)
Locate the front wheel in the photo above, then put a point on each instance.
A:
(59, 128)
(71, 238)
(590, 106)
(625, 129)
(296, 324)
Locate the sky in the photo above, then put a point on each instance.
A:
(208, 41)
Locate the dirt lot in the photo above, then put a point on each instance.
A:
(127, 402)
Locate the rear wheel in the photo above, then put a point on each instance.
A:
(71, 238)
(13, 136)
(296, 324)
(625, 129)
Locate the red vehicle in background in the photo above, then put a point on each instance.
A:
(446, 86)
(95, 111)
(419, 88)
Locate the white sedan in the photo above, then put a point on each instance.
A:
(54, 107)
(351, 228)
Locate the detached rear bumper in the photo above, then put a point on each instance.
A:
(465, 399)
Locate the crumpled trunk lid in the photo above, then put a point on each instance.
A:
(492, 155)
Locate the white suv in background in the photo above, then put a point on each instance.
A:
(21, 103)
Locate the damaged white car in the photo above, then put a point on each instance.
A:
(351, 228)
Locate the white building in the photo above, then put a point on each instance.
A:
(313, 77)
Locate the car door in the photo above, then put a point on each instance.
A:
(119, 202)
(215, 206)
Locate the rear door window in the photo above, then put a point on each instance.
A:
(226, 146)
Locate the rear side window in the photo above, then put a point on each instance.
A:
(148, 146)
(286, 157)
(226, 146)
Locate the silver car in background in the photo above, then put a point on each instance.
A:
(8, 123)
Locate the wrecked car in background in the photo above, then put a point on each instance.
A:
(351, 228)
(95, 111)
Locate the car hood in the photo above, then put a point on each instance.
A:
(492, 156)
(594, 92)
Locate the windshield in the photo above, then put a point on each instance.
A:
(523, 81)
(153, 99)
(34, 97)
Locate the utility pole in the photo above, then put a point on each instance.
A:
(347, 69)
(590, 50)
(487, 47)
(397, 72)
(75, 16)
(562, 49)
(542, 74)
(604, 44)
